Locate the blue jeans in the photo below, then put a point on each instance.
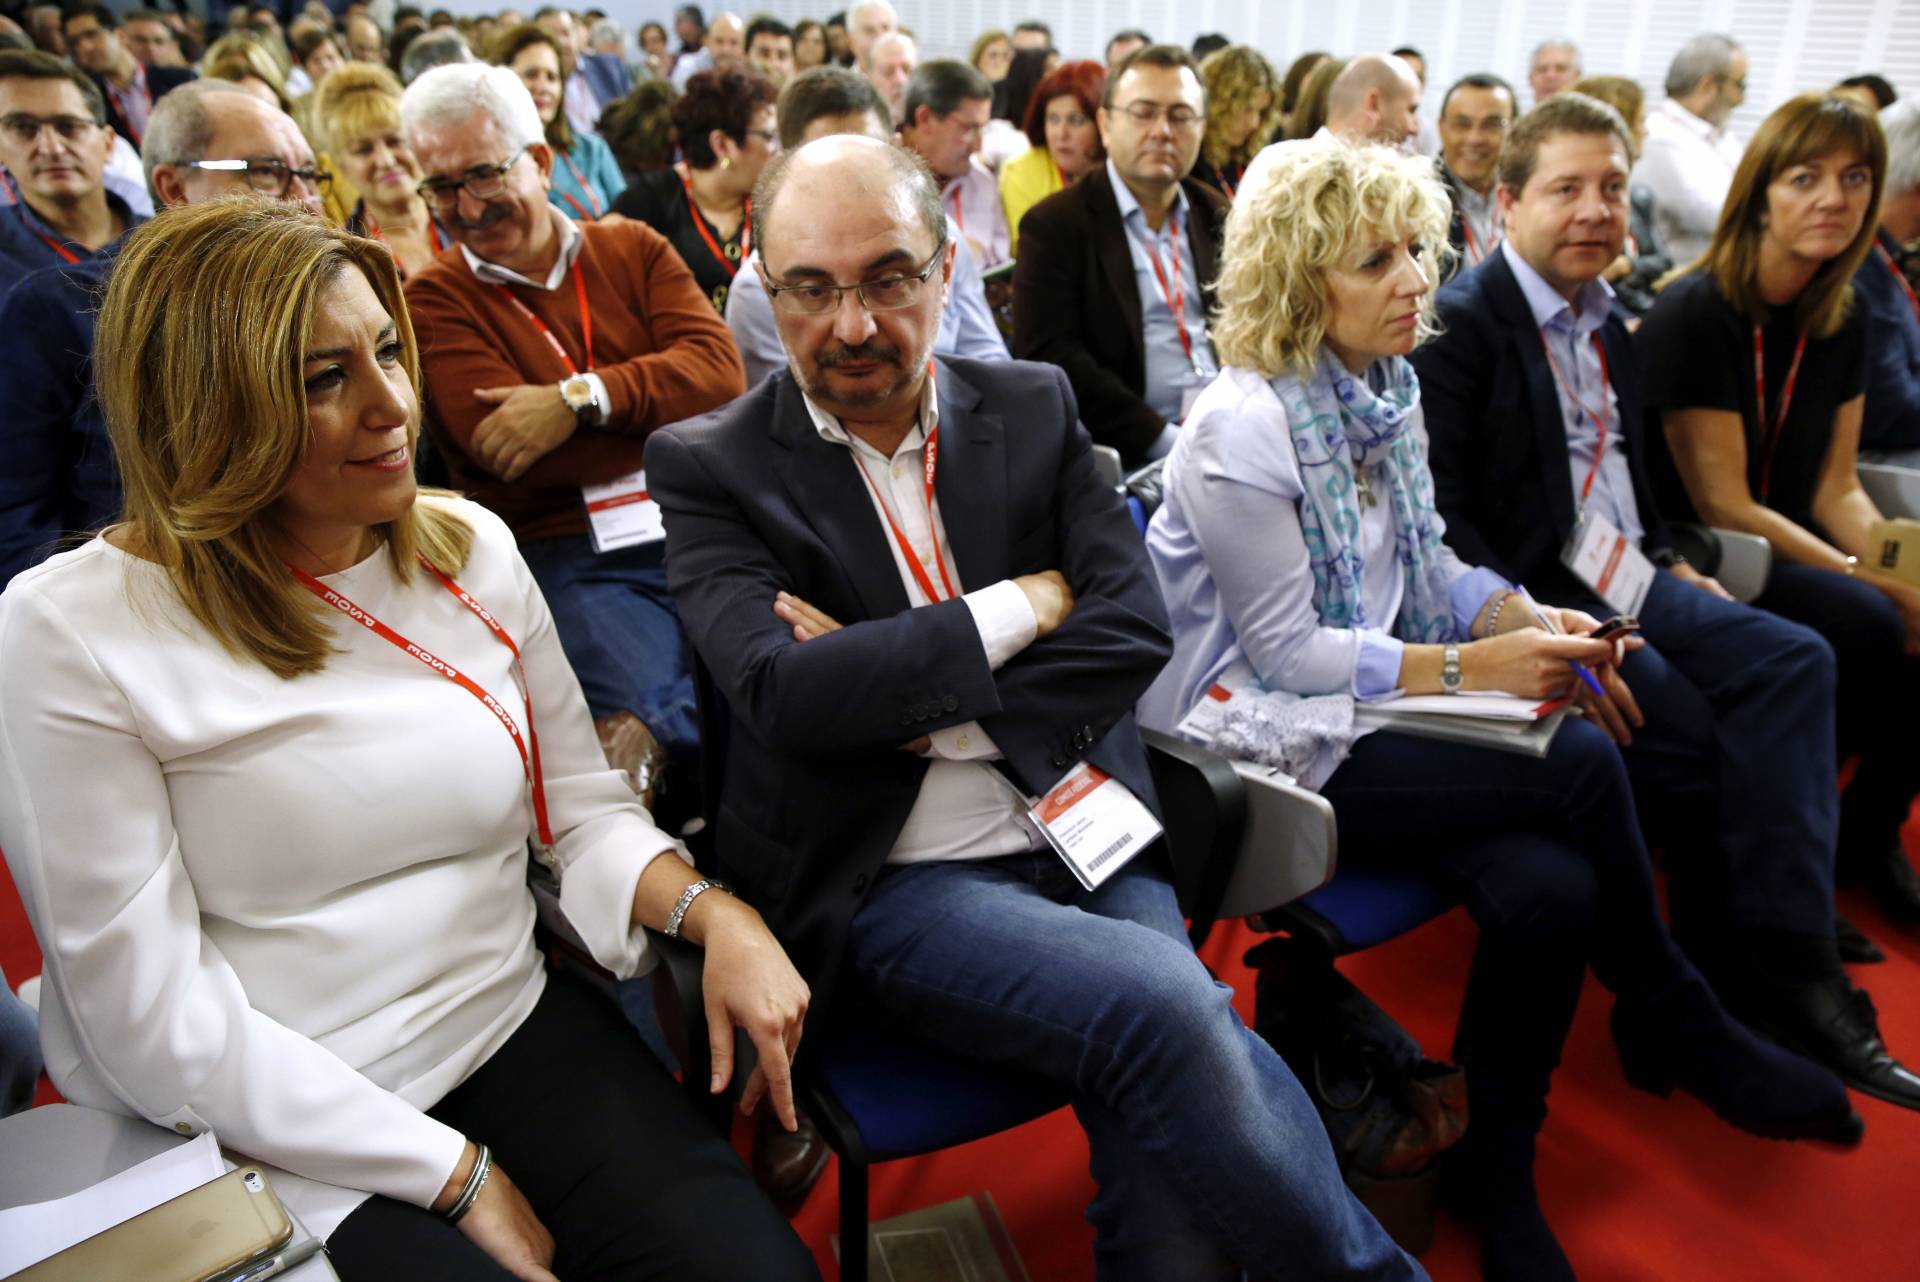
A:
(621, 633)
(1209, 1156)
(19, 1051)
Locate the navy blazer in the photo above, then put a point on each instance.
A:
(1497, 438)
(816, 788)
(1892, 413)
(160, 81)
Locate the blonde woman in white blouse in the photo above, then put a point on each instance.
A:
(271, 752)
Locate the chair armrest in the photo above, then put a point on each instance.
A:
(1107, 465)
(1203, 805)
(1894, 490)
(1740, 561)
(1288, 847)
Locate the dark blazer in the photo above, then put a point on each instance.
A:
(1892, 420)
(608, 76)
(160, 81)
(816, 788)
(1498, 441)
(1075, 303)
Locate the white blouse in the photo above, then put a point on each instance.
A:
(295, 911)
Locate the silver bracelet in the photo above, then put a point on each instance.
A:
(476, 1180)
(1493, 615)
(687, 897)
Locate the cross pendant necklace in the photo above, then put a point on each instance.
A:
(1363, 483)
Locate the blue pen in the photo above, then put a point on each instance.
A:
(1580, 669)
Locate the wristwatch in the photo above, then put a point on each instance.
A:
(577, 392)
(1450, 670)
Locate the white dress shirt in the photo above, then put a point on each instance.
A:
(973, 203)
(295, 911)
(966, 809)
(1170, 365)
(1688, 165)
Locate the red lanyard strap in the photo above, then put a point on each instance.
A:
(529, 758)
(918, 570)
(1175, 296)
(730, 265)
(1771, 437)
(1475, 251)
(586, 189)
(1906, 285)
(586, 321)
(1598, 417)
(20, 211)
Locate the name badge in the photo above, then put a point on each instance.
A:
(622, 514)
(1094, 822)
(1603, 558)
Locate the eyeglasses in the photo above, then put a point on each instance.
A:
(1147, 114)
(24, 129)
(269, 177)
(767, 136)
(887, 294)
(482, 182)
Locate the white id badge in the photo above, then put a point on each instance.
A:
(622, 514)
(1094, 822)
(1606, 561)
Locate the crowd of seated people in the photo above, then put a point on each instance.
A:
(396, 381)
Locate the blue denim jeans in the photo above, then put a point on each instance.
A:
(621, 633)
(1210, 1159)
(19, 1051)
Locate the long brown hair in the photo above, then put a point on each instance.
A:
(508, 45)
(197, 358)
(1799, 130)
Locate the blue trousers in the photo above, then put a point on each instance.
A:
(1209, 1156)
(621, 633)
(1735, 769)
(19, 1051)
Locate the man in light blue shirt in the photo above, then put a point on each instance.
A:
(1173, 318)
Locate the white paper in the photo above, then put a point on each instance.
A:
(622, 513)
(1494, 704)
(29, 1234)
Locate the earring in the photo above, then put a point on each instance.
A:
(726, 162)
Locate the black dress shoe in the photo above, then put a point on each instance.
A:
(786, 1164)
(1889, 878)
(1834, 1023)
(1855, 948)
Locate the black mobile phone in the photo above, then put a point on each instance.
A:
(1618, 626)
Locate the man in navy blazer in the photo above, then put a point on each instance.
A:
(1532, 405)
(925, 611)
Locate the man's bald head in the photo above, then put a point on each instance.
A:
(845, 170)
(1376, 99)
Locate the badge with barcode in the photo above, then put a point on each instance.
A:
(1095, 823)
(622, 514)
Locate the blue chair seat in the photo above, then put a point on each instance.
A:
(864, 1063)
(1362, 907)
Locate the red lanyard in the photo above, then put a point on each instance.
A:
(529, 759)
(1599, 419)
(1905, 284)
(586, 321)
(136, 92)
(433, 234)
(1176, 296)
(585, 190)
(918, 570)
(959, 214)
(730, 265)
(1229, 186)
(20, 208)
(1772, 438)
(1475, 252)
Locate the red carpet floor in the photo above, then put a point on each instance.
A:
(1640, 1189)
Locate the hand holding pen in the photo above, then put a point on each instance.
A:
(1606, 698)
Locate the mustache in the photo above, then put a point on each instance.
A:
(493, 215)
(871, 350)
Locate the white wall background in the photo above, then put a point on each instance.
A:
(1793, 45)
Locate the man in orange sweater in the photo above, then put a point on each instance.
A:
(550, 352)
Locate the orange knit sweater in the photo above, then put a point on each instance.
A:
(657, 343)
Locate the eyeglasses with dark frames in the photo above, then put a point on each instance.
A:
(25, 128)
(482, 182)
(268, 177)
(886, 294)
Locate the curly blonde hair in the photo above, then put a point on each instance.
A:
(1234, 77)
(1293, 222)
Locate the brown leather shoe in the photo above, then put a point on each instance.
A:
(787, 1163)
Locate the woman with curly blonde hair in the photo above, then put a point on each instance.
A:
(1243, 110)
(1305, 574)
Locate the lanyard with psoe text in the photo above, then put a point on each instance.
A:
(740, 249)
(1599, 419)
(20, 210)
(1906, 286)
(1175, 296)
(529, 756)
(1770, 438)
(586, 321)
(918, 570)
